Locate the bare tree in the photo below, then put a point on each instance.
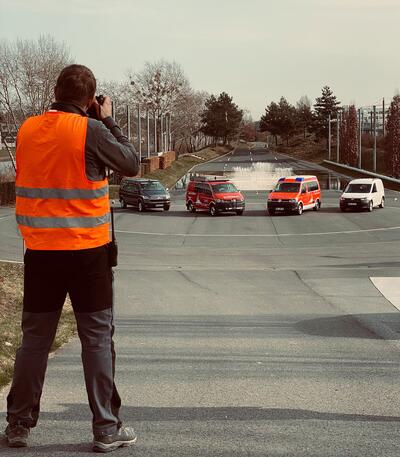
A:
(28, 72)
(186, 121)
(304, 115)
(159, 86)
(248, 131)
(120, 94)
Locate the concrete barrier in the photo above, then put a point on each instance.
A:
(365, 172)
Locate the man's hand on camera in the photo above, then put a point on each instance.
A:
(106, 108)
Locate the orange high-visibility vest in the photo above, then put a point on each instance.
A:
(57, 207)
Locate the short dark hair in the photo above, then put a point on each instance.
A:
(75, 84)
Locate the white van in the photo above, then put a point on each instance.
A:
(366, 193)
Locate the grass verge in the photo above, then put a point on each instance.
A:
(180, 167)
(11, 293)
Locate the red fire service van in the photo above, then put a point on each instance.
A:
(296, 194)
(215, 194)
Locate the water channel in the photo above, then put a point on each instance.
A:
(262, 176)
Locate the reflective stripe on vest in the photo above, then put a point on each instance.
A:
(63, 222)
(57, 206)
(63, 194)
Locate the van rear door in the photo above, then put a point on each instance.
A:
(376, 196)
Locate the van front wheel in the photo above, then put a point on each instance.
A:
(213, 210)
(370, 206)
(317, 206)
(300, 209)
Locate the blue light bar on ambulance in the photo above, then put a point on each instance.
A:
(300, 179)
(281, 179)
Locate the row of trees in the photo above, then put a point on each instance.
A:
(349, 131)
(392, 143)
(28, 72)
(285, 120)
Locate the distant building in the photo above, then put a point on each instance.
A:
(368, 120)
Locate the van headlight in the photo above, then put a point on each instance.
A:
(364, 199)
(218, 200)
(292, 200)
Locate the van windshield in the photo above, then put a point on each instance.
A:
(289, 187)
(358, 188)
(225, 187)
(151, 185)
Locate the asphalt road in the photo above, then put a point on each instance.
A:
(244, 335)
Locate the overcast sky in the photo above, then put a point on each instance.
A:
(256, 50)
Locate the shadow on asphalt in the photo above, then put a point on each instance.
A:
(351, 326)
(185, 213)
(248, 213)
(343, 326)
(73, 412)
(211, 432)
(49, 449)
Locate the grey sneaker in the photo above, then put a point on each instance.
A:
(17, 435)
(123, 437)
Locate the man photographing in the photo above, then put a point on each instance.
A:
(63, 213)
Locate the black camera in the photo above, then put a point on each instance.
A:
(94, 109)
(100, 99)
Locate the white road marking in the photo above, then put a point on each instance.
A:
(389, 287)
(258, 235)
(11, 261)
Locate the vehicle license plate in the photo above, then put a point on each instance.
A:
(159, 205)
(279, 209)
(352, 204)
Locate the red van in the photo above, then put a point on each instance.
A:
(215, 194)
(296, 194)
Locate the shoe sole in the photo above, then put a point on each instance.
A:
(101, 447)
(16, 443)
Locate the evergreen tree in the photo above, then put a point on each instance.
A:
(287, 119)
(270, 121)
(279, 119)
(221, 119)
(393, 135)
(325, 105)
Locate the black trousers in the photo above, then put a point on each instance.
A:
(88, 279)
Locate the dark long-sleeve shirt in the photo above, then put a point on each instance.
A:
(105, 146)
